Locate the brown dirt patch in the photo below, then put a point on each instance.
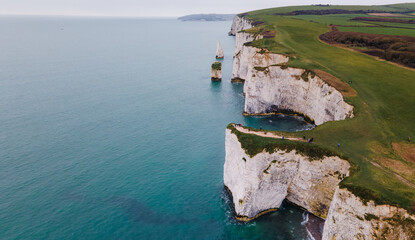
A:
(404, 171)
(396, 166)
(341, 86)
(405, 150)
(373, 19)
(267, 134)
(386, 15)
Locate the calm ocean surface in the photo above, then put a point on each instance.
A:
(112, 129)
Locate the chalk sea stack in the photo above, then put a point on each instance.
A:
(219, 51)
(216, 71)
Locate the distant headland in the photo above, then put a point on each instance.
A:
(207, 17)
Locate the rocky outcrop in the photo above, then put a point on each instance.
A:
(350, 218)
(259, 184)
(219, 51)
(216, 71)
(239, 23)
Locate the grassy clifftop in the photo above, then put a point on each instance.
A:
(384, 104)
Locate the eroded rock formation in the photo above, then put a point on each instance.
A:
(278, 89)
(262, 182)
(216, 71)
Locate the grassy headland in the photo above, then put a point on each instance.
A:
(384, 103)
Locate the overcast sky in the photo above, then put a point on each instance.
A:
(148, 8)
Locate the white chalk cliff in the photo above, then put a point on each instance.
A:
(272, 87)
(239, 23)
(240, 39)
(350, 218)
(260, 183)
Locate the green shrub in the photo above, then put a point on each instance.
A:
(217, 66)
(284, 66)
(369, 217)
(306, 73)
(262, 69)
(262, 51)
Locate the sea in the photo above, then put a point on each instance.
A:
(111, 128)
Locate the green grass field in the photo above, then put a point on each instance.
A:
(384, 105)
(392, 7)
(336, 19)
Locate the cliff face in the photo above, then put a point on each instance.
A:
(350, 218)
(242, 38)
(249, 57)
(261, 183)
(216, 71)
(272, 87)
(216, 75)
(239, 24)
(276, 89)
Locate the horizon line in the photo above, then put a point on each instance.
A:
(85, 15)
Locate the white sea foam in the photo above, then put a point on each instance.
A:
(303, 223)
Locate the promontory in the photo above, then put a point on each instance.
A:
(350, 71)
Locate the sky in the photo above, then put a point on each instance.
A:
(155, 8)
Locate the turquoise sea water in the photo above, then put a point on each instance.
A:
(112, 129)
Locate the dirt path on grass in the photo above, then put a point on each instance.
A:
(267, 134)
(402, 179)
